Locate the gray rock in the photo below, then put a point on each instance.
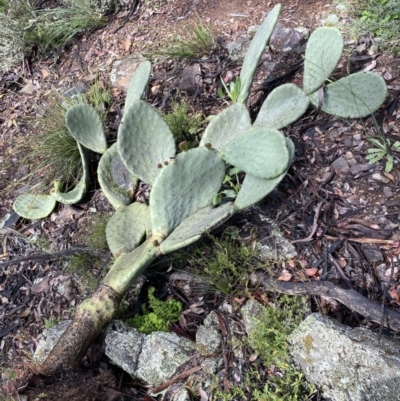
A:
(387, 192)
(372, 253)
(48, 340)
(123, 70)
(78, 89)
(380, 178)
(210, 365)
(162, 353)
(151, 358)
(208, 337)
(288, 39)
(191, 81)
(359, 168)
(238, 49)
(341, 165)
(250, 313)
(346, 363)
(123, 346)
(208, 340)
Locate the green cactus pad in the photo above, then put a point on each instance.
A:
(255, 189)
(127, 228)
(138, 83)
(84, 124)
(284, 105)
(262, 153)
(79, 191)
(227, 126)
(144, 140)
(195, 225)
(256, 49)
(129, 266)
(355, 96)
(33, 207)
(323, 52)
(188, 184)
(115, 180)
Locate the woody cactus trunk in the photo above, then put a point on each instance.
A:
(184, 186)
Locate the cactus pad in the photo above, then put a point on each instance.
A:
(126, 228)
(355, 96)
(195, 225)
(115, 180)
(262, 153)
(256, 49)
(79, 191)
(33, 207)
(144, 140)
(227, 126)
(138, 83)
(186, 185)
(84, 124)
(323, 52)
(255, 189)
(284, 105)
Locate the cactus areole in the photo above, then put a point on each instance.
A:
(184, 186)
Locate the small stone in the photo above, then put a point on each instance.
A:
(372, 253)
(359, 168)
(123, 70)
(288, 39)
(341, 165)
(191, 81)
(380, 178)
(387, 192)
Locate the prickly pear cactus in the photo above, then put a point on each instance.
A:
(138, 83)
(127, 228)
(117, 183)
(186, 185)
(323, 52)
(84, 124)
(144, 141)
(34, 206)
(256, 49)
(79, 191)
(355, 96)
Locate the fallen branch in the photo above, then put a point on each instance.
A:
(54, 256)
(352, 299)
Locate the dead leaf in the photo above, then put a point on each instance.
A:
(43, 285)
(203, 394)
(45, 73)
(311, 271)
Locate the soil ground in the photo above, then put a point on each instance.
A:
(360, 202)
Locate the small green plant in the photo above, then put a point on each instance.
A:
(51, 322)
(383, 149)
(269, 341)
(223, 264)
(54, 153)
(183, 125)
(195, 42)
(233, 91)
(3, 6)
(158, 317)
(379, 17)
(54, 28)
(232, 180)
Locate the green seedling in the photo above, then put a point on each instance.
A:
(233, 92)
(383, 149)
(232, 180)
